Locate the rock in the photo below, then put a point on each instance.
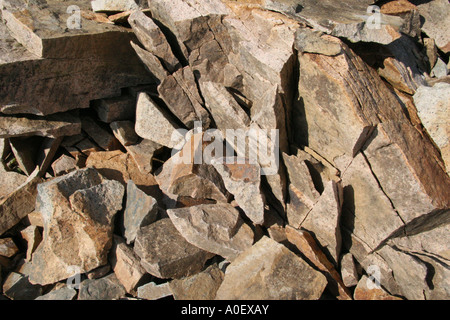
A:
(348, 271)
(440, 69)
(432, 107)
(52, 126)
(97, 58)
(180, 93)
(25, 151)
(226, 112)
(99, 272)
(124, 132)
(15, 206)
(114, 5)
(10, 181)
(201, 286)
(143, 154)
(86, 202)
(140, 211)
(244, 182)
(364, 291)
(65, 293)
(17, 287)
(324, 220)
(397, 7)
(126, 265)
(165, 253)
(185, 175)
(397, 74)
(436, 14)
(46, 153)
(151, 62)
(152, 291)
(353, 23)
(107, 288)
(272, 272)
(153, 39)
(33, 237)
(162, 129)
(215, 228)
(64, 165)
(308, 247)
(115, 109)
(307, 40)
(8, 248)
(100, 135)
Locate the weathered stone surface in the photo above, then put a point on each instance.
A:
(348, 271)
(93, 62)
(64, 293)
(124, 132)
(244, 182)
(15, 206)
(64, 165)
(8, 248)
(153, 39)
(268, 270)
(305, 243)
(436, 14)
(324, 219)
(99, 272)
(307, 40)
(78, 210)
(185, 175)
(225, 110)
(202, 286)
(114, 5)
(17, 287)
(161, 129)
(140, 211)
(433, 107)
(115, 109)
(25, 152)
(33, 237)
(367, 290)
(152, 291)
(397, 6)
(143, 153)
(10, 181)
(165, 253)
(107, 288)
(52, 126)
(99, 134)
(126, 265)
(215, 228)
(151, 62)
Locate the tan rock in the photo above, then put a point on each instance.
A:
(8, 248)
(201, 286)
(363, 292)
(64, 165)
(33, 237)
(152, 291)
(143, 154)
(124, 132)
(126, 264)
(107, 288)
(165, 253)
(10, 181)
(268, 270)
(348, 271)
(215, 228)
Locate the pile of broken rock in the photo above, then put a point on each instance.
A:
(95, 205)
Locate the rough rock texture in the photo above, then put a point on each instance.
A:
(165, 253)
(152, 291)
(252, 275)
(107, 288)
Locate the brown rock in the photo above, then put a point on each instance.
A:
(363, 292)
(215, 228)
(8, 248)
(124, 132)
(268, 270)
(201, 286)
(115, 109)
(64, 165)
(143, 154)
(33, 237)
(102, 137)
(165, 253)
(152, 291)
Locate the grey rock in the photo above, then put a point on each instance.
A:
(65, 293)
(436, 14)
(124, 132)
(115, 109)
(348, 271)
(17, 287)
(107, 288)
(152, 291)
(143, 154)
(307, 40)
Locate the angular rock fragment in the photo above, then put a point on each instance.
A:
(161, 129)
(307, 40)
(115, 109)
(107, 288)
(78, 210)
(201, 286)
(305, 243)
(268, 270)
(165, 253)
(436, 15)
(215, 228)
(433, 107)
(143, 154)
(152, 291)
(18, 287)
(10, 181)
(25, 151)
(140, 211)
(367, 290)
(33, 237)
(124, 132)
(64, 293)
(64, 165)
(126, 265)
(348, 271)
(114, 5)
(100, 135)
(8, 248)
(151, 62)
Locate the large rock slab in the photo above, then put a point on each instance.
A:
(78, 211)
(165, 253)
(215, 228)
(269, 271)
